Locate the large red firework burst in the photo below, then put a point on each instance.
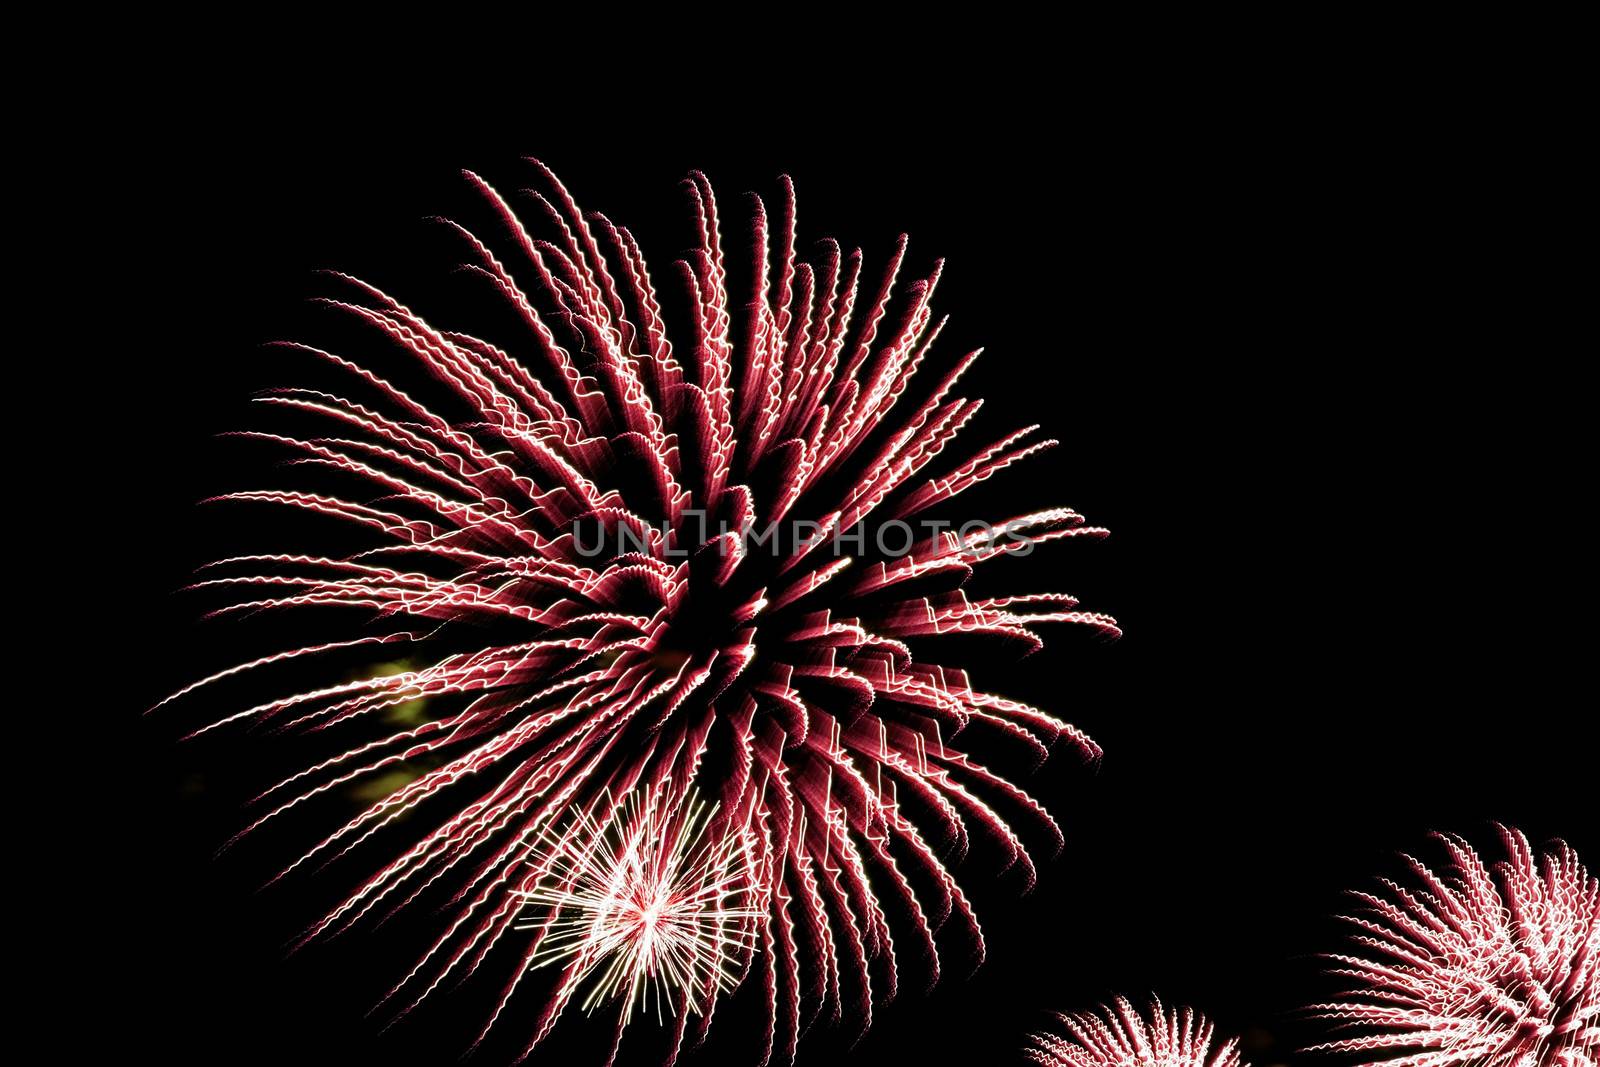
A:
(773, 673)
(1117, 1035)
(1499, 968)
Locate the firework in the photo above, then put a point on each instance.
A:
(647, 908)
(560, 671)
(1118, 1036)
(1477, 966)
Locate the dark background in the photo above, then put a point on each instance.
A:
(1299, 365)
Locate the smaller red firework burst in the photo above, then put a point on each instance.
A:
(1498, 968)
(1117, 1035)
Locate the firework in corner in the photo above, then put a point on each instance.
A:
(1488, 967)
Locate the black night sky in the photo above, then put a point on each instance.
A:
(1342, 547)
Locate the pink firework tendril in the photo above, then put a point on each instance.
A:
(1495, 967)
(1117, 1035)
(777, 681)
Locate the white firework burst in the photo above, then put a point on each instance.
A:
(654, 902)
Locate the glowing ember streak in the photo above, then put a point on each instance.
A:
(1499, 968)
(1118, 1036)
(649, 905)
(774, 675)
